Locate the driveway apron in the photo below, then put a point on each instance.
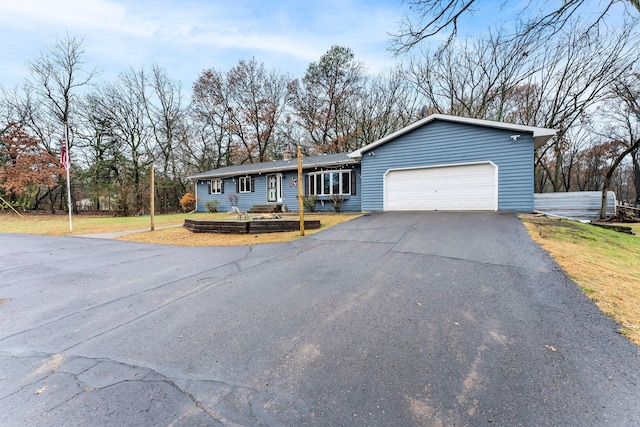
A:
(425, 319)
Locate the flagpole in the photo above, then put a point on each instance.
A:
(67, 167)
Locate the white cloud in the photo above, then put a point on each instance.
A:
(190, 35)
(77, 14)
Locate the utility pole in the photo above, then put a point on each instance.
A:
(152, 202)
(300, 191)
(66, 160)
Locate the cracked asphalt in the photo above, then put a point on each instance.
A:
(403, 319)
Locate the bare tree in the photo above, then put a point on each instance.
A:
(387, 103)
(166, 116)
(476, 78)
(56, 77)
(122, 107)
(591, 163)
(577, 75)
(427, 19)
(321, 98)
(625, 110)
(101, 151)
(243, 108)
(574, 144)
(16, 107)
(210, 109)
(258, 100)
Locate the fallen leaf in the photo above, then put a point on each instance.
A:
(550, 347)
(44, 387)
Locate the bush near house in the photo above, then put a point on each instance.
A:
(309, 202)
(212, 205)
(188, 202)
(336, 202)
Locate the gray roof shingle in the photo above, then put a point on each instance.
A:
(325, 160)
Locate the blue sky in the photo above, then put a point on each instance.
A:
(185, 37)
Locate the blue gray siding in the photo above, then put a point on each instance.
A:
(245, 200)
(440, 143)
(259, 195)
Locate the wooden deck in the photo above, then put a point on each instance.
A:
(248, 227)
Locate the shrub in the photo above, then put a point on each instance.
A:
(309, 202)
(212, 205)
(188, 202)
(336, 201)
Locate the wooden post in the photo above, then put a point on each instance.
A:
(67, 165)
(12, 208)
(300, 191)
(152, 202)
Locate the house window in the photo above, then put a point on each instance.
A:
(245, 184)
(327, 183)
(216, 186)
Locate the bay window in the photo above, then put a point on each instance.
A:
(327, 183)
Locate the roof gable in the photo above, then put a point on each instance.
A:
(540, 135)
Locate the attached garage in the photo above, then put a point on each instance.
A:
(459, 187)
(451, 163)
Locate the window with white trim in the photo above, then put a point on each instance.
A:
(216, 186)
(244, 184)
(327, 183)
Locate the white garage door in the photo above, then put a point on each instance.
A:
(465, 187)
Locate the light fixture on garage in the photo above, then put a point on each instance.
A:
(372, 154)
(515, 137)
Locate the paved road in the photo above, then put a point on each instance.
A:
(431, 319)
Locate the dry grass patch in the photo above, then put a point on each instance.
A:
(603, 262)
(58, 225)
(183, 237)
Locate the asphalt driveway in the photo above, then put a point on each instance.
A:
(425, 319)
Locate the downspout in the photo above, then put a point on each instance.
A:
(196, 193)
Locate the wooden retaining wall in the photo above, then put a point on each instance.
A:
(248, 227)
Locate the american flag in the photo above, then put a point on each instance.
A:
(65, 161)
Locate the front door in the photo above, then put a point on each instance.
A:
(274, 188)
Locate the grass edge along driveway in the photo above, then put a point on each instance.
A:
(604, 263)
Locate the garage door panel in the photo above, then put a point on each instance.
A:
(456, 193)
(455, 187)
(456, 181)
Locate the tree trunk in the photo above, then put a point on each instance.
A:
(636, 175)
(607, 178)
